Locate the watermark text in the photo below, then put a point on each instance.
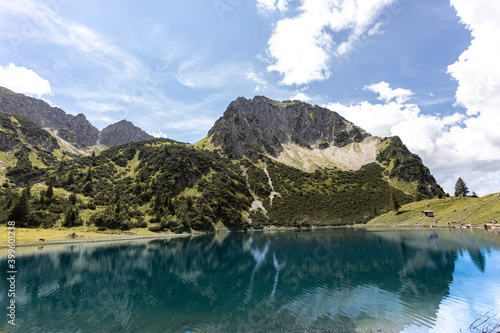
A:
(11, 272)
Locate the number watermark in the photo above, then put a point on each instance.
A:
(11, 272)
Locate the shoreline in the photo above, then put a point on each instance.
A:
(92, 236)
(26, 237)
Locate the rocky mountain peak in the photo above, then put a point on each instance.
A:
(74, 129)
(250, 127)
(80, 131)
(122, 132)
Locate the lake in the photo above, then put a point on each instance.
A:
(338, 280)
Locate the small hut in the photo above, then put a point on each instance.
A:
(428, 213)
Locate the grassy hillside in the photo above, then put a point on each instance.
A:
(468, 210)
(169, 186)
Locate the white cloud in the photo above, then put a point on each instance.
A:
(477, 70)
(301, 97)
(459, 145)
(24, 81)
(452, 146)
(388, 94)
(195, 73)
(257, 78)
(158, 134)
(302, 47)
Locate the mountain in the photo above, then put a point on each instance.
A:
(17, 131)
(264, 163)
(263, 126)
(34, 109)
(72, 129)
(80, 131)
(309, 138)
(448, 212)
(122, 132)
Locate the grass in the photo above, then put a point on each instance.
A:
(467, 211)
(191, 192)
(35, 160)
(283, 104)
(206, 143)
(406, 187)
(37, 188)
(8, 159)
(25, 236)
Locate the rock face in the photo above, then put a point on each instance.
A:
(309, 137)
(34, 109)
(74, 129)
(122, 132)
(80, 131)
(263, 126)
(16, 131)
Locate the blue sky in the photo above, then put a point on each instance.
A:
(425, 70)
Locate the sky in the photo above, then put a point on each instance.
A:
(425, 70)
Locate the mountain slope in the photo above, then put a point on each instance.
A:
(448, 211)
(34, 109)
(122, 132)
(309, 138)
(239, 183)
(73, 129)
(261, 126)
(17, 131)
(168, 185)
(80, 131)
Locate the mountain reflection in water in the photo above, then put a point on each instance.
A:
(329, 281)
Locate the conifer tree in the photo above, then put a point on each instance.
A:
(461, 188)
(50, 191)
(71, 217)
(394, 202)
(21, 209)
(71, 179)
(88, 177)
(72, 198)
(28, 189)
(417, 196)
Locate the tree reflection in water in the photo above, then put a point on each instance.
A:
(330, 281)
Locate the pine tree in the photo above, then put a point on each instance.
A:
(94, 160)
(394, 202)
(72, 198)
(21, 209)
(71, 179)
(461, 188)
(71, 217)
(62, 164)
(28, 189)
(417, 196)
(374, 210)
(42, 197)
(50, 191)
(88, 178)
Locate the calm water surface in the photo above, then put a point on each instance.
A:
(328, 281)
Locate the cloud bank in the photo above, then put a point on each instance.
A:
(24, 81)
(302, 47)
(452, 146)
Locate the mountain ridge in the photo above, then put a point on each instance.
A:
(74, 129)
(234, 179)
(261, 125)
(309, 137)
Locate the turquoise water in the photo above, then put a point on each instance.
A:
(305, 281)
